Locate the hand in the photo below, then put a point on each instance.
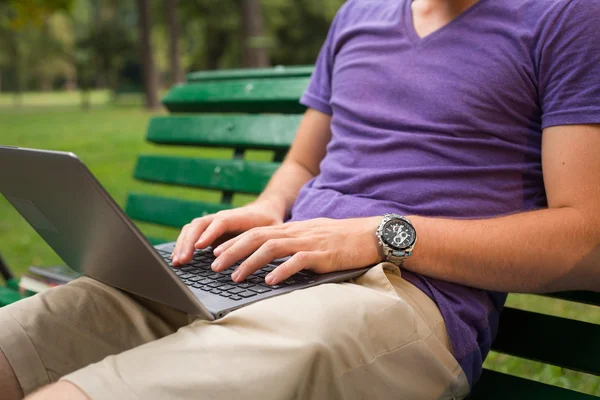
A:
(203, 232)
(321, 245)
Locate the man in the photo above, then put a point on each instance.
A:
(473, 119)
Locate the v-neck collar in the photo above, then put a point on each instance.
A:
(412, 32)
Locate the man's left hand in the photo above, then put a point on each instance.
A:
(321, 245)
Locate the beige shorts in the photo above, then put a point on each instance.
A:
(375, 337)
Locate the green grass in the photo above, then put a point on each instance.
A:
(54, 99)
(109, 139)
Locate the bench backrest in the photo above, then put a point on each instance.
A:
(258, 110)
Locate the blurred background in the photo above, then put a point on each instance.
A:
(87, 75)
(126, 46)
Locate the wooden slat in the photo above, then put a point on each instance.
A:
(497, 386)
(591, 298)
(270, 132)
(229, 175)
(167, 211)
(245, 96)
(256, 73)
(558, 341)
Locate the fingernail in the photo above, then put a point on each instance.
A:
(235, 275)
(269, 279)
(215, 264)
(217, 250)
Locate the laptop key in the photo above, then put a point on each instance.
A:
(226, 294)
(214, 276)
(247, 293)
(216, 291)
(214, 284)
(196, 278)
(235, 297)
(236, 290)
(188, 269)
(206, 281)
(246, 285)
(197, 285)
(225, 287)
(260, 289)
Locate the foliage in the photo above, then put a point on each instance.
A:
(49, 43)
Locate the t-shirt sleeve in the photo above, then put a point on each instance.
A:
(318, 93)
(569, 66)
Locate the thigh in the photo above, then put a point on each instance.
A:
(64, 329)
(375, 337)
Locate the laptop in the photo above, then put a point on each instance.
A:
(73, 213)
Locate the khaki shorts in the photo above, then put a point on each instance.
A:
(375, 337)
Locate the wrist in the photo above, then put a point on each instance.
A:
(375, 251)
(273, 204)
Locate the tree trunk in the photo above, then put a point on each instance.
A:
(86, 102)
(174, 28)
(19, 70)
(216, 43)
(148, 67)
(254, 54)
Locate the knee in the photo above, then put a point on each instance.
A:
(61, 390)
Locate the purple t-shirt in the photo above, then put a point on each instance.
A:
(449, 125)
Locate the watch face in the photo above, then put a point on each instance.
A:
(398, 234)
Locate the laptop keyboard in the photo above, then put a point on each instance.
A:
(199, 275)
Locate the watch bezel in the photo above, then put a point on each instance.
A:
(406, 222)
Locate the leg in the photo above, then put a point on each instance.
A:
(64, 329)
(378, 337)
(9, 385)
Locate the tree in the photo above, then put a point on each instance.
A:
(254, 53)
(173, 26)
(148, 67)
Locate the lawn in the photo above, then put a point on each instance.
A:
(108, 138)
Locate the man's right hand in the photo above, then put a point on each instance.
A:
(203, 232)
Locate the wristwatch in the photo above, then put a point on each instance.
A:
(397, 238)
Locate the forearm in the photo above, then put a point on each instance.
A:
(301, 163)
(538, 251)
(283, 188)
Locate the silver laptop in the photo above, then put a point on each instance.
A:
(72, 212)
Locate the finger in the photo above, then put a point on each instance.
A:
(218, 226)
(186, 250)
(243, 246)
(227, 244)
(298, 262)
(269, 251)
(174, 255)
(233, 240)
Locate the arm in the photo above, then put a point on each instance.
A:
(301, 164)
(271, 207)
(552, 249)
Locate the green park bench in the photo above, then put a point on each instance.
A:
(246, 110)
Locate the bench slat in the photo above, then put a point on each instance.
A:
(228, 175)
(168, 211)
(270, 132)
(246, 96)
(549, 339)
(498, 386)
(591, 298)
(257, 73)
